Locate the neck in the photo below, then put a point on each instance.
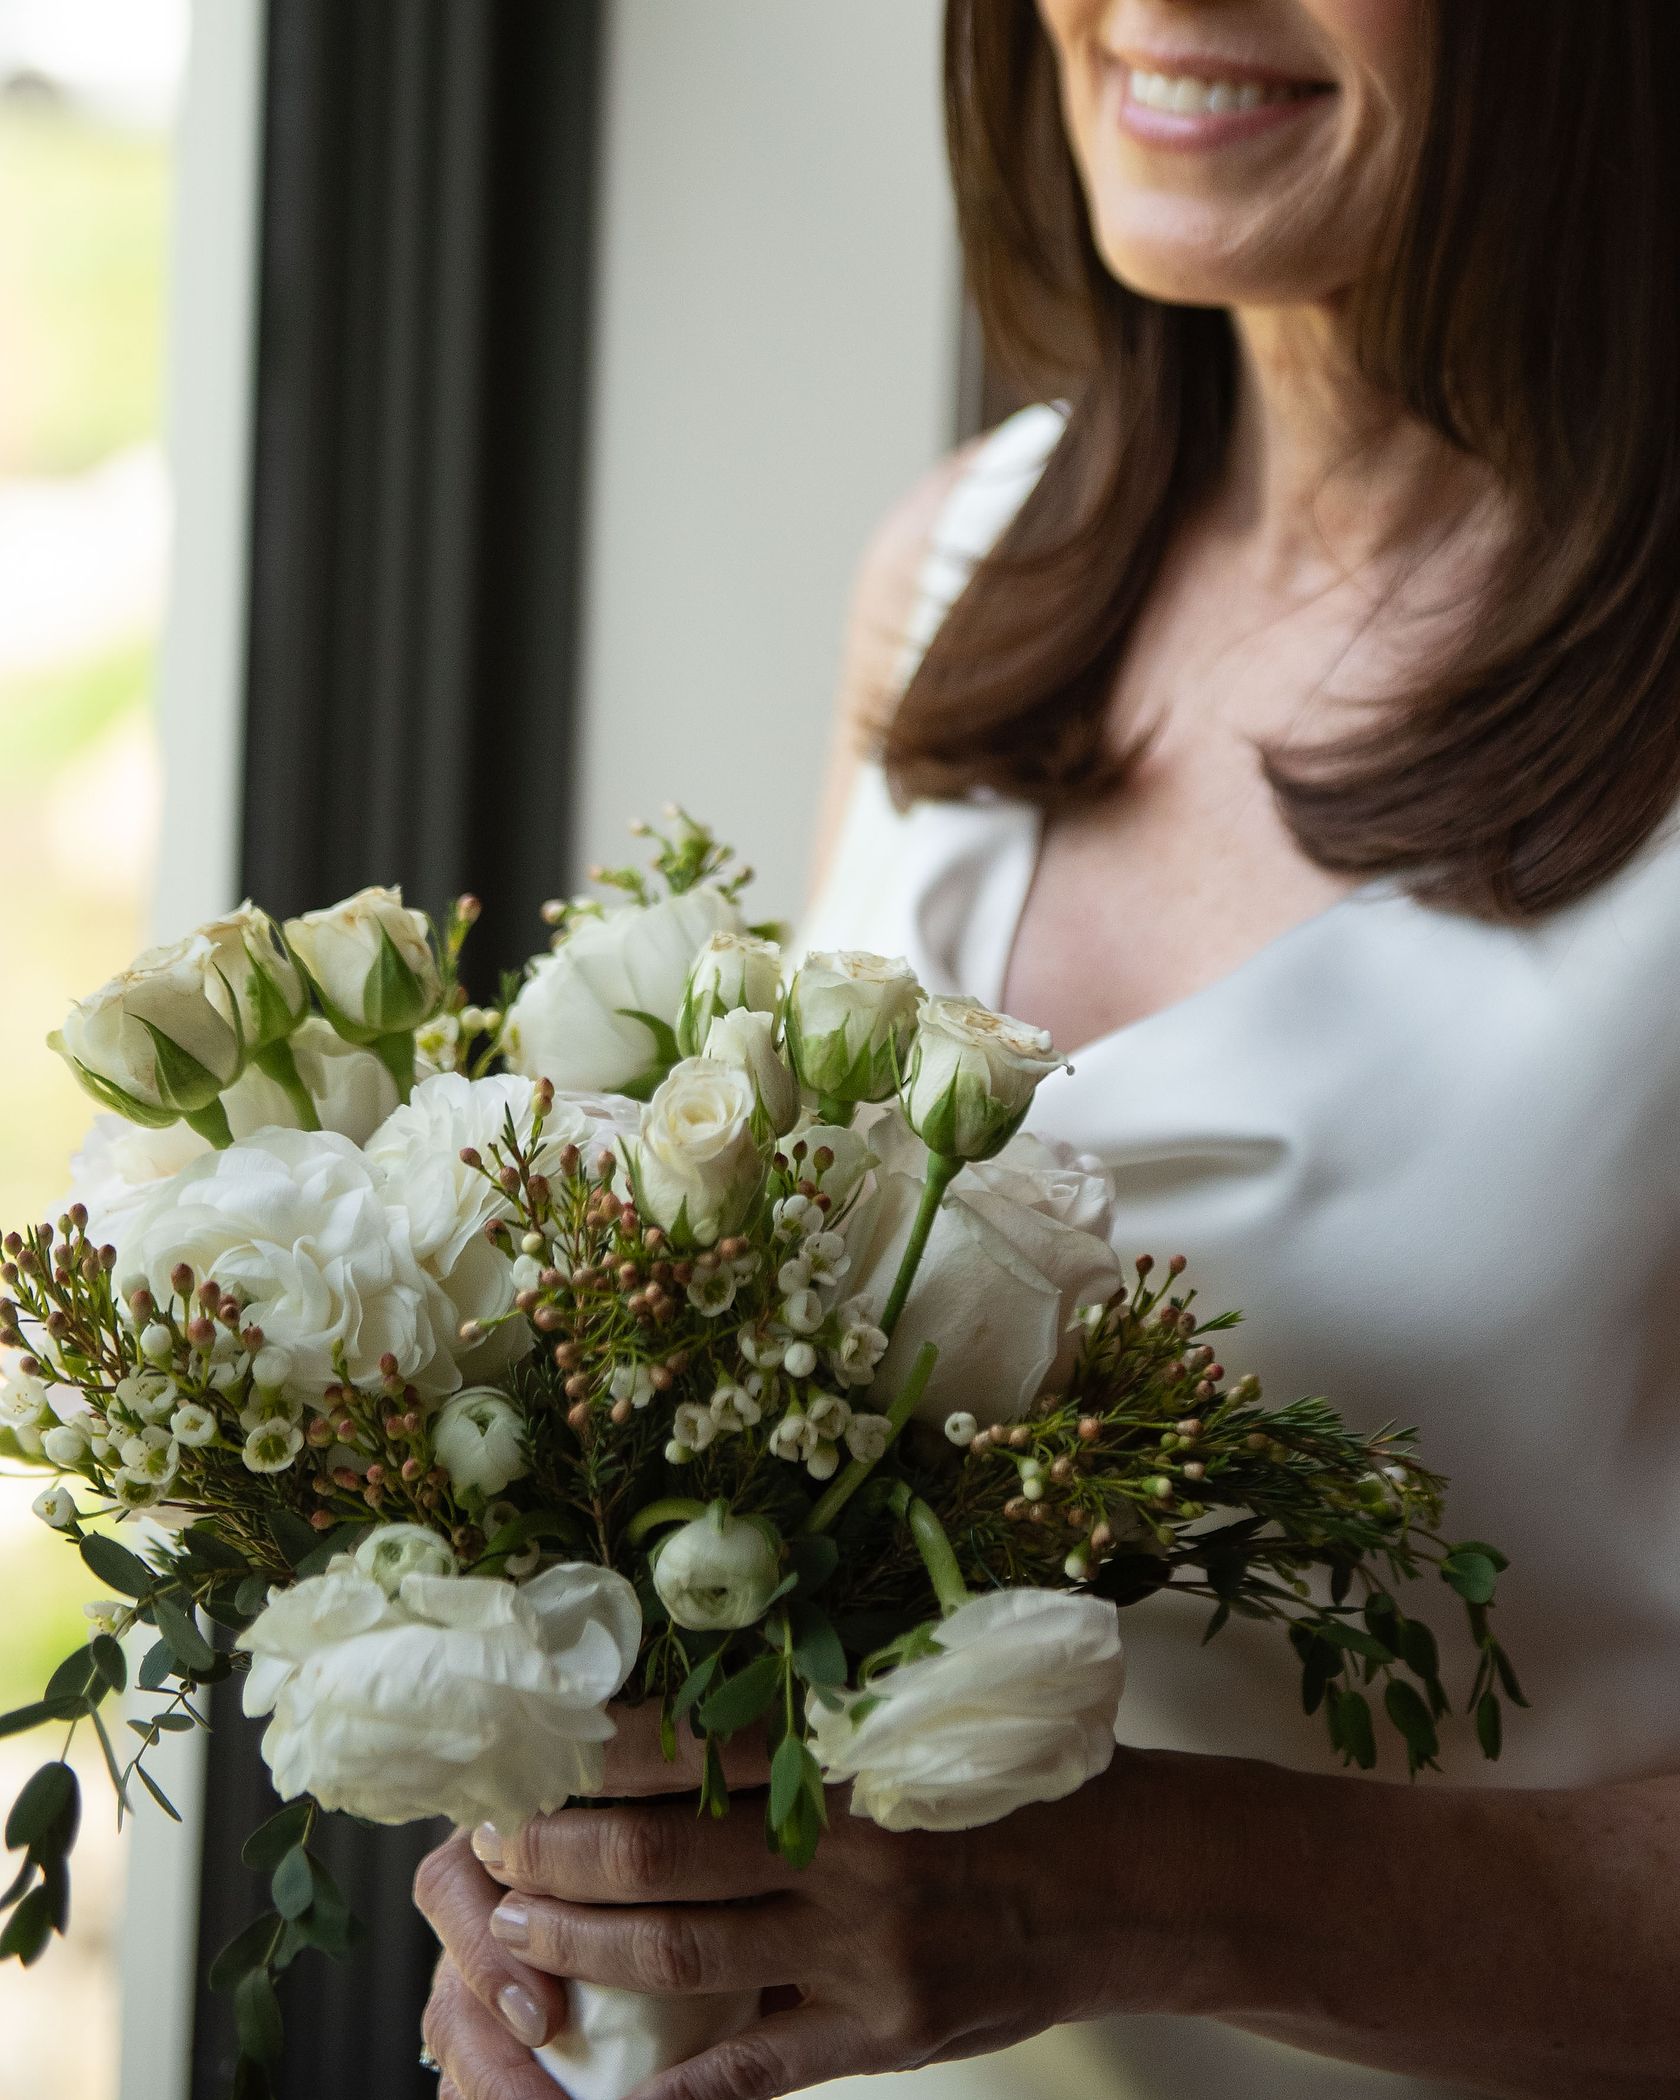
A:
(1327, 474)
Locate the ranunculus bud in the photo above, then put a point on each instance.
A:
(479, 1438)
(850, 1020)
(395, 1550)
(154, 1044)
(258, 976)
(747, 1040)
(696, 1164)
(717, 1572)
(972, 1077)
(371, 962)
(733, 973)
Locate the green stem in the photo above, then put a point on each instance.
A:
(396, 1054)
(831, 1109)
(675, 1509)
(941, 1563)
(278, 1063)
(846, 1484)
(941, 1172)
(212, 1125)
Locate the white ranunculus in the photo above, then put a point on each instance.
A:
(1020, 1247)
(717, 1572)
(695, 1162)
(575, 1021)
(850, 1020)
(747, 1040)
(371, 962)
(479, 1440)
(155, 1043)
(972, 1077)
(1017, 1705)
(120, 1167)
(462, 1697)
(256, 973)
(352, 1090)
(733, 973)
(391, 1552)
(297, 1226)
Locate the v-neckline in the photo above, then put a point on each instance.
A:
(1031, 848)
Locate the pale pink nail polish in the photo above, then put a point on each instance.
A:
(511, 1923)
(523, 2015)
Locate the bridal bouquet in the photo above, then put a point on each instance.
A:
(684, 1331)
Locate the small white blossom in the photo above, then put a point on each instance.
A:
(157, 1344)
(65, 1445)
(861, 1347)
(104, 1614)
(765, 1352)
(800, 1360)
(802, 1311)
(714, 1294)
(147, 1396)
(632, 1382)
(733, 1407)
(961, 1428)
(693, 1427)
(56, 1507)
(272, 1445)
(867, 1437)
(828, 1415)
(479, 1439)
(527, 1272)
(272, 1367)
(151, 1455)
(795, 1216)
(794, 1274)
(193, 1425)
(823, 1463)
(826, 1259)
(263, 1408)
(134, 1490)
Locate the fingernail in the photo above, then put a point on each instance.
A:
(487, 1843)
(511, 1923)
(523, 2015)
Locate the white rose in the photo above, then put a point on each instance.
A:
(1018, 1705)
(576, 1020)
(371, 963)
(154, 1044)
(695, 1163)
(352, 1090)
(733, 973)
(298, 1227)
(460, 1697)
(1018, 1249)
(850, 1019)
(257, 975)
(718, 1571)
(747, 1040)
(972, 1077)
(391, 1552)
(479, 1440)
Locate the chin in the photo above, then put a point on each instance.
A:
(1193, 259)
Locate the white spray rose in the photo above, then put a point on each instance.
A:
(257, 976)
(1020, 1247)
(297, 1226)
(695, 1164)
(479, 1439)
(461, 1697)
(850, 1020)
(391, 1552)
(371, 963)
(352, 1090)
(747, 1040)
(717, 1571)
(155, 1043)
(972, 1077)
(1018, 1704)
(733, 973)
(576, 1022)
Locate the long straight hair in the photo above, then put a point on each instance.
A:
(1527, 308)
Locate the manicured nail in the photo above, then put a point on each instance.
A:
(487, 1843)
(511, 1923)
(523, 2015)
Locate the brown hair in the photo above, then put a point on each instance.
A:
(1529, 310)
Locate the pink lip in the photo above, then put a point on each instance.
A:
(1171, 131)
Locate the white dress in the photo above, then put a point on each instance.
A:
(1437, 1163)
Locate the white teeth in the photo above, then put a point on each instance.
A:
(1183, 95)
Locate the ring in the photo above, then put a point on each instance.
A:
(428, 2062)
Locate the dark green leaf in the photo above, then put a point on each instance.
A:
(694, 1685)
(787, 1780)
(251, 2081)
(21, 1885)
(801, 1833)
(1472, 1574)
(1417, 1647)
(47, 1812)
(1488, 1553)
(1341, 1581)
(22, 1718)
(1414, 1721)
(157, 1666)
(252, 1595)
(817, 1653)
(295, 1539)
(73, 1681)
(741, 1699)
(109, 1661)
(1356, 1640)
(1217, 1622)
(814, 1561)
(293, 1887)
(268, 1845)
(256, 2012)
(212, 1553)
(344, 1539)
(28, 1929)
(111, 1764)
(248, 1950)
(55, 1885)
(1490, 1725)
(1353, 1723)
(1507, 1676)
(116, 1567)
(178, 1629)
(158, 1795)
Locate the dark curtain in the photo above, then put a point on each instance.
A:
(420, 425)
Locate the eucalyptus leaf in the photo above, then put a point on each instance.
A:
(179, 1630)
(270, 1842)
(116, 1567)
(293, 1886)
(256, 2011)
(47, 1811)
(741, 1699)
(28, 1929)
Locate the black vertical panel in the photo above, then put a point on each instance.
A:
(417, 505)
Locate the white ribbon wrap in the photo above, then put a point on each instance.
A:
(616, 2039)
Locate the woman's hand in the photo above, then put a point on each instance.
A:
(889, 1952)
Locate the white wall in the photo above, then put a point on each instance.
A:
(776, 360)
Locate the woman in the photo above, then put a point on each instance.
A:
(1304, 747)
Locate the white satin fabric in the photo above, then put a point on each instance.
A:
(1437, 1162)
